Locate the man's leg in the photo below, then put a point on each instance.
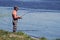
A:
(14, 25)
(14, 28)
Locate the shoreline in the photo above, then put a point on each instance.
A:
(17, 35)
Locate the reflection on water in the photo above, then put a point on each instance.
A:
(39, 24)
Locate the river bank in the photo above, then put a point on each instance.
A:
(5, 35)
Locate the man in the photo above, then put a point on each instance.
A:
(15, 18)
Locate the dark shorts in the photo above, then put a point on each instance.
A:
(15, 22)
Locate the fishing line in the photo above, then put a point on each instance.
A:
(24, 14)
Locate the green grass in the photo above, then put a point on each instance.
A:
(43, 38)
(5, 35)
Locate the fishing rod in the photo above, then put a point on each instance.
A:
(24, 14)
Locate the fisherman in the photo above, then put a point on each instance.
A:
(15, 18)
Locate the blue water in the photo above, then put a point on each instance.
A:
(36, 22)
(42, 4)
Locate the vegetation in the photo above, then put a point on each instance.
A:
(5, 35)
(43, 38)
(58, 39)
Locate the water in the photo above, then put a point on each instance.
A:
(42, 4)
(36, 22)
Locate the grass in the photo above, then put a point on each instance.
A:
(43, 38)
(5, 35)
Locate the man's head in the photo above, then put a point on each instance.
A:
(16, 8)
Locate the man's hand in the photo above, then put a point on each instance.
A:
(19, 17)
